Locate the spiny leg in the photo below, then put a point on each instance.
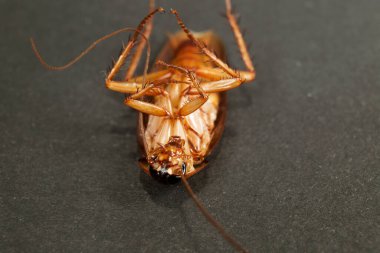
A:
(133, 100)
(153, 76)
(195, 103)
(130, 45)
(190, 74)
(130, 87)
(239, 38)
(217, 86)
(145, 107)
(244, 75)
(139, 82)
(133, 86)
(211, 74)
(219, 81)
(140, 47)
(203, 47)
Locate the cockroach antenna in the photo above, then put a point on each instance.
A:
(83, 53)
(210, 218)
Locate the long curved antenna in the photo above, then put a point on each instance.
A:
(210, 218)
(87, 50)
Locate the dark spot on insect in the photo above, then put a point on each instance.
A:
(163, 176)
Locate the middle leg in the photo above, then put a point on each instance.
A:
(146, 107)
(193, 104)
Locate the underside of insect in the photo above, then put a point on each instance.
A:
(181, 102)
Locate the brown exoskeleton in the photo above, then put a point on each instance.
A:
(181, 104)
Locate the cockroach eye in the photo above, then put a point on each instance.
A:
(183, 168)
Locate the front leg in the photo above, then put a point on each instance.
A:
(126, 51)
(193, 104)
(145, 107)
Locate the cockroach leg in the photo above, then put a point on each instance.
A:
(211, 74)
(129, 46)
(154, 76)
(192, 106)
(194, 82)
(123, 87)
(216, 74)
(244, 75)
(195, 103)
(140, 47)
(204, 48)
(239, 39)
(132, 86)
(145, 107)
(217, 86)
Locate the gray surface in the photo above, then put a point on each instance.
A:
(297, 169)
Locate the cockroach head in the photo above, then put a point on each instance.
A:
(168, 162)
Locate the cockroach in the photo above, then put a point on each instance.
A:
(182, 102)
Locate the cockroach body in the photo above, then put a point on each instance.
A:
(179, 143)
(181, 104)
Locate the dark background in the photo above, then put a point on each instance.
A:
(296, 171)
